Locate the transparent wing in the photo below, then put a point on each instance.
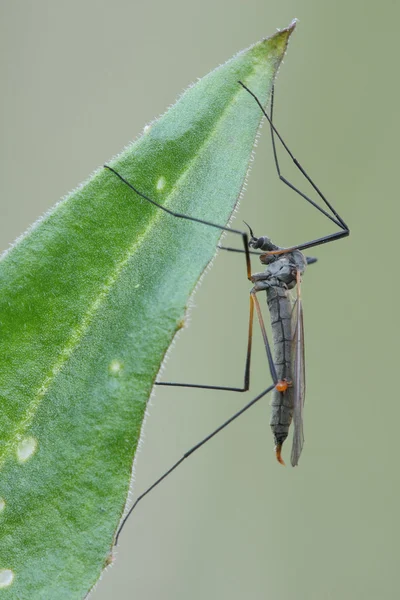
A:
(298, 370)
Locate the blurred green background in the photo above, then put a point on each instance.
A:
(79, 80)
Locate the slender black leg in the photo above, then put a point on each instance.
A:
(243, 234)
(246, 381)
(189, 453)
(335, 218)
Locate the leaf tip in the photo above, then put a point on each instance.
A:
(282, 35)
(275, 46)
(292, 26)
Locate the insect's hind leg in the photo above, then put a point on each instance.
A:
(189, 453)
(332, 215)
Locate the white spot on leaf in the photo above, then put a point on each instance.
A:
(6, 577)
(161, 184)
(2, 504)
(146, 128)
(115, 367)
(26, 448)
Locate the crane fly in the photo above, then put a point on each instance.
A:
(284, 268)
(283, 272)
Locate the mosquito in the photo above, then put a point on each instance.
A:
(283, 272)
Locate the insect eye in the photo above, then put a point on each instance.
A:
(256, 242)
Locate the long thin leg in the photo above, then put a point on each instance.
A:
(336, 218)
(245, 238)
(189, 453)
(246, 382)
(274, 132)
(338, 222)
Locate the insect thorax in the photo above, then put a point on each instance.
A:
(282, 268)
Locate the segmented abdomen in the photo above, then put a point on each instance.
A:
(280, 308)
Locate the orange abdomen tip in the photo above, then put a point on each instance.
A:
(278, 450)
(282, 386)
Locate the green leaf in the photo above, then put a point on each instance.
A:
(90, 299)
